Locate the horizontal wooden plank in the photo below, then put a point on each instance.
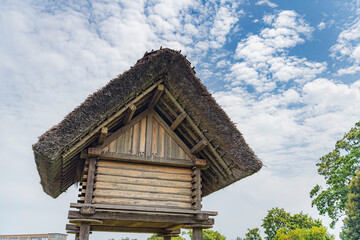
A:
(145, 159)
(102, 228)
(142, 209)
(140, 188)
(142, 195)
(144, 167)
(142, 181)
(139, 202)
(143, 174)
(139, 216)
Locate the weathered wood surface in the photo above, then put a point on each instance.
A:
(144, 167)
(141, 202)
(146, 137)
(158, 92)
(90, 180)
(133, 184)
(115, 193)
(143, 209)
(102, 136)
(139, 188)
(141, 217)
(84, 231)
(197, 233)
(143, 159)
(142, 181)
(143, 174)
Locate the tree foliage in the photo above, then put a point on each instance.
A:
(351, 228)
(207, 235)
(252, 234)
(210, 235)
(281, 225)
(338, 168)
(155, 237)
(280, 219)
(313, 233)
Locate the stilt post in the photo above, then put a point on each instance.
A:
(85, 226)
(197, 233)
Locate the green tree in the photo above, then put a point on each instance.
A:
(210, 235)
(155, 237)
(252, 234)
(280, 219)
(207, 235)
(313, 233)
(351, 228)
(281, 225)
(338, 168)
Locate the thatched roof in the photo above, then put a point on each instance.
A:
(57, 153)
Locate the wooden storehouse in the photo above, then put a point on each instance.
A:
(145, 148)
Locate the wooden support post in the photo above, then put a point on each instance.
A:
(85, 226)
(76, 236)
(84, 231)
(167, 238)
(158, 92)
(197, 188)
(197, 233)
(149, 135)
(177, 121)
(199, 146)
(103, 133)
(129, 114)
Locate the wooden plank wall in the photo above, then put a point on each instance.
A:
(147, 137)
(135, 184)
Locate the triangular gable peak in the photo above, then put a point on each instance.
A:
(145, 138)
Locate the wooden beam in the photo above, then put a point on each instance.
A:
(140, 216)
(84, 141)
(103, 133)
(149, 136)
(129, 114)
(122, 130)
(199, 146)
(90, 180)
(123, 157)
(197, 189)
(199, 132)
(158, 92)
(201, 163)
(178, 120)
(142, 209)
(105, 228)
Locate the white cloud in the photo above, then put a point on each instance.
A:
(296, 126)
(266, 2)
(266, 58)
(347, 48)
(321, 26)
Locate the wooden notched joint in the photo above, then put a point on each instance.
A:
(178, 120)
(129, 114)
(199, 146)
(201, 163)
(94, 151)
(200, 217)
(102, 136)
(87, 210)
(158, 92)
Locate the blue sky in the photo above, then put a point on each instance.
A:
(286, 72)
